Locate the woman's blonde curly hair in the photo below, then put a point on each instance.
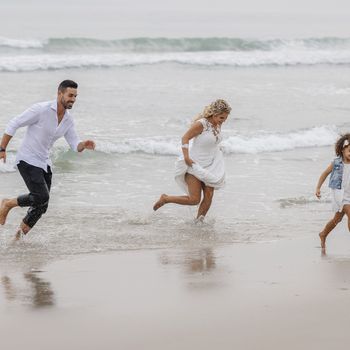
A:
(217, 107)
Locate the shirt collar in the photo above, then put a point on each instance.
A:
(53, 106)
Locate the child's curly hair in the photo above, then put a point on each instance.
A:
(340, 143)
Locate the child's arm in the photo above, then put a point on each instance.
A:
(322, 179)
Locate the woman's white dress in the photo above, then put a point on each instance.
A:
(208, 159)
(342, 196)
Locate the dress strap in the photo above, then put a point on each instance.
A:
(204, 122)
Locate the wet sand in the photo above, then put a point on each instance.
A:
(278, 295)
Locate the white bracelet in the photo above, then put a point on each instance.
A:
(185, 145)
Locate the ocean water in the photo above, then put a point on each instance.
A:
(137, 97)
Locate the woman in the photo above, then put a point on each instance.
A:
(202, 166)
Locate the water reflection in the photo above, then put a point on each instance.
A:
(10, 292)
(202, 261)
(199, 266)
(42, 292)
(36, 292)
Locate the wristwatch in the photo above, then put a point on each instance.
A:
(2, 149)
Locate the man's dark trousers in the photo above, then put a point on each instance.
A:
(39, 184)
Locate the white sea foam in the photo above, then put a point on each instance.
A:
(260, 142)
(187, 44)
(156, 145)
(302, 200)
(21, 44)
(63, 53)
(284, 57)
(237, 144)
(315, 137)
(9, 166)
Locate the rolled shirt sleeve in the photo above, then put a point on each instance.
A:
(28, 117)
(72, 138)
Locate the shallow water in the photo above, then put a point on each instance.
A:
(277, 141)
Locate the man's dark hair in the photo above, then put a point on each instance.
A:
(67, 84)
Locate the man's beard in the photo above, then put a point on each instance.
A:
(67, 105)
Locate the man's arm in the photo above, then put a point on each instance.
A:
(75, 143)
(4, 142)
(28, 117)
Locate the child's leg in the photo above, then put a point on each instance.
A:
(330, 226)
(346, 209)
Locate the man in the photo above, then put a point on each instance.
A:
(46, 122)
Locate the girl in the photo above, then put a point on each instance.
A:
(339, 183)
(201, 168)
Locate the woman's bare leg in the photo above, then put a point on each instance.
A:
(330, 226)
(208, 193)
(194, 197)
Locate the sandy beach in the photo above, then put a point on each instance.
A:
(101, 270)
(277, 295)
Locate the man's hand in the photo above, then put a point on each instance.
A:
(88, 144)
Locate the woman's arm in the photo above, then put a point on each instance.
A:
(322, 180)
(192, 132)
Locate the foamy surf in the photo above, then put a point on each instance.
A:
(259, 143)
(18, 55)
(302, 200)
(9, 166)
(39, 62)
(277, 142)
(187, 44)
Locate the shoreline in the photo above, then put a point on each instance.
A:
(282, 294)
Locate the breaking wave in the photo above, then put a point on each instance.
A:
(265, 142)
(64, 53)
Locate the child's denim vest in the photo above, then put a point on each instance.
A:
(336, 178)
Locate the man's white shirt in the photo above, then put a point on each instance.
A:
(42, 132)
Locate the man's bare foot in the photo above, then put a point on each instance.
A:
(22, 231)
(4, 210)
(19, 235)
(323, 240)
(161, 201)
(25, 228)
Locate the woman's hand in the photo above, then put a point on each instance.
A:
(189, 161)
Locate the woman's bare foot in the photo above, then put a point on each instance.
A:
(4, 210)
(323, 240)
(161, 201)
